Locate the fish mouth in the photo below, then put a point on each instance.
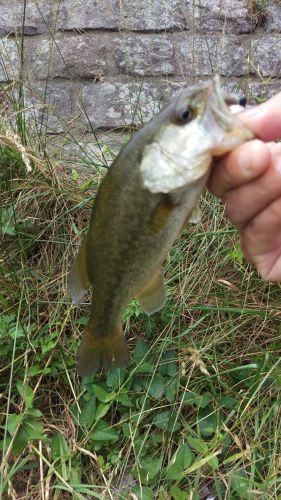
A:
(219, 103)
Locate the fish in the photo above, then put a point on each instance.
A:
(143, 203)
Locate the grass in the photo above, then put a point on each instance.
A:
(197, 413)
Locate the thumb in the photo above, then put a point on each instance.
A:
(265, 119)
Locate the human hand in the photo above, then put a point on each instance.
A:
(248, 180)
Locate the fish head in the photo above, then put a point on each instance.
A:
(196, 127)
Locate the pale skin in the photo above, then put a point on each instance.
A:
(248, 180)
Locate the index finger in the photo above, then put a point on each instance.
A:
(265, 119)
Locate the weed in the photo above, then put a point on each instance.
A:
(258, 9)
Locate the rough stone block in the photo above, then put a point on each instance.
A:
(95, 150)
(145, 55)
(9, 60)
(153, 15)
(150, 15)
(89, 55)
(49, 106)
(118, 105)
(227, 16)
(38, 17)
(266, 56)
(272, 15)
(203, 55)
(261, 91)
(88, 14)
(136, 15)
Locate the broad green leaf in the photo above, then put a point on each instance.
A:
(237, 254)
(84, 186)
(145, 367)
(48, 346)
(167, 421)
(59, 447)
(88, 413)
(13, 421)
(102, 395)
(178, 494)
(240, 484)
(16, 331)
(207, 422)
(213, 463)
(36, 370)
(34, 412)
(170, 390)
(20, 441)
(156, 387)
(183, 459)
(115, 377)
(151, 465)
(124, 399)
(227, 402)
(5, 443)
(109, 435)
(34, 429)
(197, 444)
(74, 175)
(27, 393)
(102, 410)
(74, 475)
(104, 432)
(169, 364)
(141, 350)
(196, 399)
(126, 430)
(143, 493)
(31, 430)
(7, 221)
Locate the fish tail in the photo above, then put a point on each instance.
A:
(97, 351)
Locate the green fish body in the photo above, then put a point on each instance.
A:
(141, 207)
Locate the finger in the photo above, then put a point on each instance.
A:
(245, 202)
(261, 241)
(265, 119)
(242, 165)
(275, 149)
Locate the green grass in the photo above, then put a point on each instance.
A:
(198, 410)
(197, 413)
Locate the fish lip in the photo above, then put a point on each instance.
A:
(216, 104)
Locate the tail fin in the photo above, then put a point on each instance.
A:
(97, 352)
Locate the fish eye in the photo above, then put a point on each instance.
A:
(185, 115)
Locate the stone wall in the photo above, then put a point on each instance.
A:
(91, 66)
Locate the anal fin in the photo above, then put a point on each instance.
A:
(195, 216)
(152, 297)
(78, 282)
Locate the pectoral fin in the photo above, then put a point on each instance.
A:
(78, 282)
(161, 214)
(153, 296)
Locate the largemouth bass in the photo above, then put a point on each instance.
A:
(141, 207)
